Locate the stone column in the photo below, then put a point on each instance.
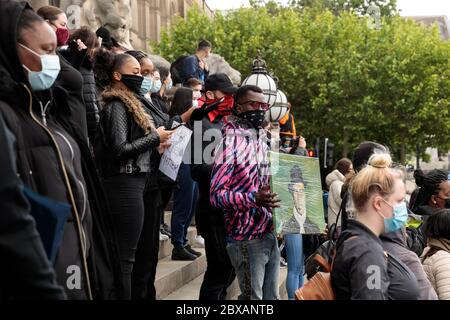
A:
(153, 22)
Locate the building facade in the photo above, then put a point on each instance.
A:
(133, 23)
(151, 16)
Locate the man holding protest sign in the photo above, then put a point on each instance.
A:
(240, 187)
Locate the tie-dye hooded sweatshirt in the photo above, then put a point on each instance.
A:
(241, 168)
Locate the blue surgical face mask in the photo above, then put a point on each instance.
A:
(147, 85)
(195, 103)
(398, 221)
(170, 85)
(156, 86)
(44, 79)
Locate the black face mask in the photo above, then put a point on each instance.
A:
(133, 82)
(255, 117)
(447, 203)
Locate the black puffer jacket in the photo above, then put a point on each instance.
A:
(55, 161)
(91, 101)
(80, 61)
(25, 272)
(71, 80)
(121, 145)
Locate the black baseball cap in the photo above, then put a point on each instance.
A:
(221, 82)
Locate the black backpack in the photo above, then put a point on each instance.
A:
(176, 72)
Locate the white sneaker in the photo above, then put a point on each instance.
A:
(199, 242)
(283, 263)
(163, 237)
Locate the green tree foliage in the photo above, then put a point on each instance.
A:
(362, 7)
(346, 81)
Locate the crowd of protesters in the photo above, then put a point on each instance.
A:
(84, 123)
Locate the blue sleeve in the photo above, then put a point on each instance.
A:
(190, 67)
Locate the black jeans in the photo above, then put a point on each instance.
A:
(166, 195)
(144, 272)
(219, 273)
(125, 194)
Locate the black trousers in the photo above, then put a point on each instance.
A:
(166, 194)
(126, 198)
(144, 272)
(219, 273)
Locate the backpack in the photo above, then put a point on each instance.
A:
(319, 287)
(415, 240)
(318, 268)
(320, 257)
(176, 71)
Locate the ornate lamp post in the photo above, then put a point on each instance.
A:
(276, 99)
(262, 79)
(279, 108)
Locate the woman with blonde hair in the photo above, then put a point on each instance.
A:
(362, 270)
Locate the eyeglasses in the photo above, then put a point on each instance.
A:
(256, 105)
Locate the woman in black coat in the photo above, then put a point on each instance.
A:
(124, 150)
(26, 272)
(53, 159)
(81, 59)
(361, 269)
(69, 77)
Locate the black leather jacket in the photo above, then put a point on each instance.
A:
(121, 145)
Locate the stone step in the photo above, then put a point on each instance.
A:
(167, 217)
(172, 275)
(165, 247)
(191, 290)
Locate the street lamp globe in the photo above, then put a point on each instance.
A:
(262, 79)
(279, 108)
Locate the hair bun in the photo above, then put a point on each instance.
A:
(380, 160)
(419, 177)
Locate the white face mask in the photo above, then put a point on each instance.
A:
(195, 103)
(44, 79)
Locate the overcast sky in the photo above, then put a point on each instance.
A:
(407, 7)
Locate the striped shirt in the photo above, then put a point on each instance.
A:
(241, 169)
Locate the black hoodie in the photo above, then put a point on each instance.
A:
(55, 162)
(25, 272)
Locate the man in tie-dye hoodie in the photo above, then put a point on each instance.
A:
(240, 187)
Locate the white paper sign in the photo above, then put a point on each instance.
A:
(173, 156)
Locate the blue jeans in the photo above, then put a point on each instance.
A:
(295, 261)
(184, 201)
(257, 266)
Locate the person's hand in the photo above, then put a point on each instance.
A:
(205, 66)
(81, 45)
(163, 147)
(164, 134)
(266, 199)
(302, 143)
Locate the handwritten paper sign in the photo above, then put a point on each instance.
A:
(173, 156)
